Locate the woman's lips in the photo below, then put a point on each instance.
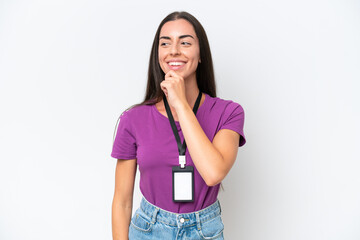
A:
(177, 66)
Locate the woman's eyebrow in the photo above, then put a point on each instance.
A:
(182, 36)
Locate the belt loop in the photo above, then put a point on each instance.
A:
(153, 220)
(219, 205)
(198, 221)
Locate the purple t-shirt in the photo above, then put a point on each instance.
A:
(145, 134)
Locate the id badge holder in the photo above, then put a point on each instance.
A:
(183, 183)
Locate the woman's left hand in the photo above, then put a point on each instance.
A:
(174, 88)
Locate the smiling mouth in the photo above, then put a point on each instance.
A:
(176, 63)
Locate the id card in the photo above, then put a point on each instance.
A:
(183, 183)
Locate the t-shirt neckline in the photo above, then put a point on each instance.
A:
(177, 122)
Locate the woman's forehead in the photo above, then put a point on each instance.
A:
(176, 28)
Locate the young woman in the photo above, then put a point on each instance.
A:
(179, 181)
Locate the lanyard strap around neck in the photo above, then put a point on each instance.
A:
(181, 147)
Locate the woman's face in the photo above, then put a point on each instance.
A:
(179, 48)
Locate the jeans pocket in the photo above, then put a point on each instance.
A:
(212, 229)
(141, 221)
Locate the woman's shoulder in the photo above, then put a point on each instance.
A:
(222, 103)
(136, 111)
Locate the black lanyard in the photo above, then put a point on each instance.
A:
(181, 147)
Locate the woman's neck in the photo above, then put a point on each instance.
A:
(191, 90)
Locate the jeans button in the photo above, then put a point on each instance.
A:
(182, 220)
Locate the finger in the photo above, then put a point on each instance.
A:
(169, 73)
(172, 73)
(170, 79)
(173, 79)
(164, 87)
(167, 76)
(165, 91)
(166, 83)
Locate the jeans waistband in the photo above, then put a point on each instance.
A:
(180, 219)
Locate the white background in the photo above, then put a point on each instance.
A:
(69, 68)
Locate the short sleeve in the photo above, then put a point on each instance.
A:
(124, 146)
(233, 119)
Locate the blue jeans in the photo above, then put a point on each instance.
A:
(151, 222)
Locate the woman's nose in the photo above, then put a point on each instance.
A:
(174, 49)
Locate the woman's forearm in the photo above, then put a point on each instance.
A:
(207, 159)
(121, 217)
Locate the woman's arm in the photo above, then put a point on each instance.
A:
(123, 198)
(214, 159)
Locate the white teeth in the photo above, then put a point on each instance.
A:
(176, 63)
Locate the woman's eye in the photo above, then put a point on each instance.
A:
(185, 43)
(163, 44)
